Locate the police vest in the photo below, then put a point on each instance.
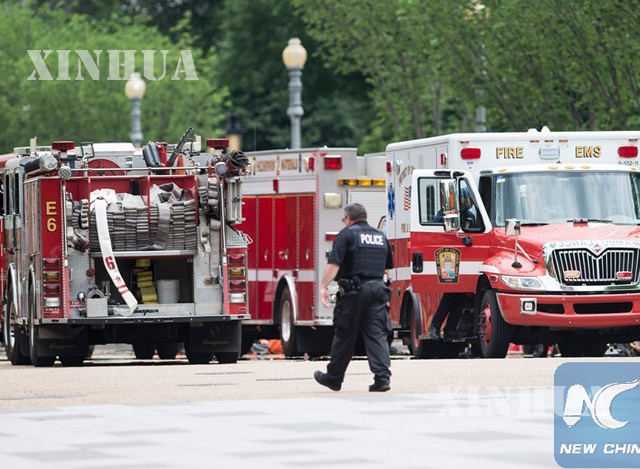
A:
(369, 258)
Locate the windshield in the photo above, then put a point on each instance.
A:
(561, 196)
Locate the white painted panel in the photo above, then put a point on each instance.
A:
(373, 200)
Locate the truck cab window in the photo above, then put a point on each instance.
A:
(429, 201)
(485, 192)
(470, 217)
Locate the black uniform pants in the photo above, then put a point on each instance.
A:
(362, 310)
(451, 304)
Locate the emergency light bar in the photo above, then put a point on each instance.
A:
(63, 145)
(361, 182)
(628, 152)
(470, 153)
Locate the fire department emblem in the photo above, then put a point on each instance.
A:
(448, 265)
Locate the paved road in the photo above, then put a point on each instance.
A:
(116, 412)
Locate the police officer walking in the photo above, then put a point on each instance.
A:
(358, 261)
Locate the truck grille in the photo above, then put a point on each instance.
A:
(582, 267)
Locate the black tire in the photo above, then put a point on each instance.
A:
(227, 357)
(167, 350)
(287, 325)
(199, 358)
(144, 350)
(72, 361)
(90, 350)
(12, 336)
(494, 333)
(420, 348)
(34, 339)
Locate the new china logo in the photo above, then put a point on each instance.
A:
(597, 415)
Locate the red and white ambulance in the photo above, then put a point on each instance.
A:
(293, 206)
(540, 229)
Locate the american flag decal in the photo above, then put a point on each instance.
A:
(407, 198)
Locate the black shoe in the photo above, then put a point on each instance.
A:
(378, 386)
(434, 334)
(452, 336)
(322, 378)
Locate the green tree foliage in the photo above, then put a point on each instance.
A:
(569, 65)
(254, 34)
(397, 45)
(97, 110)
(204, 16)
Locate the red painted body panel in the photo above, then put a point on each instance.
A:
(429, 243)
(510, 306)
(264, 238)
(306, 290)
(495, 249)
(52, 235)
(249, 227)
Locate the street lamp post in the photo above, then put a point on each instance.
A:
(134, 89)
(294, 57)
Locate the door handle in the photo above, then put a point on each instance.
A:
(416, 262)
(284, 255)
(266, 255)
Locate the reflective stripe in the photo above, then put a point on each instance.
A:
(405, 273)
(266, 275)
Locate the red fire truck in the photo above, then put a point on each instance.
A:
(538, 229)
(108, 244)
(294, 201)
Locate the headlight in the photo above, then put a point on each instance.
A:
(523, 283)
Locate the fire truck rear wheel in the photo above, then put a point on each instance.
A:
(167, 350)
(11, 338)
(420, 348)
(494, 333)
(144, 350)
(287, 325)
(227, 357)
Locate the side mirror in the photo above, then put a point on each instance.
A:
(511, 226)
(449, 196)
(449, 205)
(451, 223)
